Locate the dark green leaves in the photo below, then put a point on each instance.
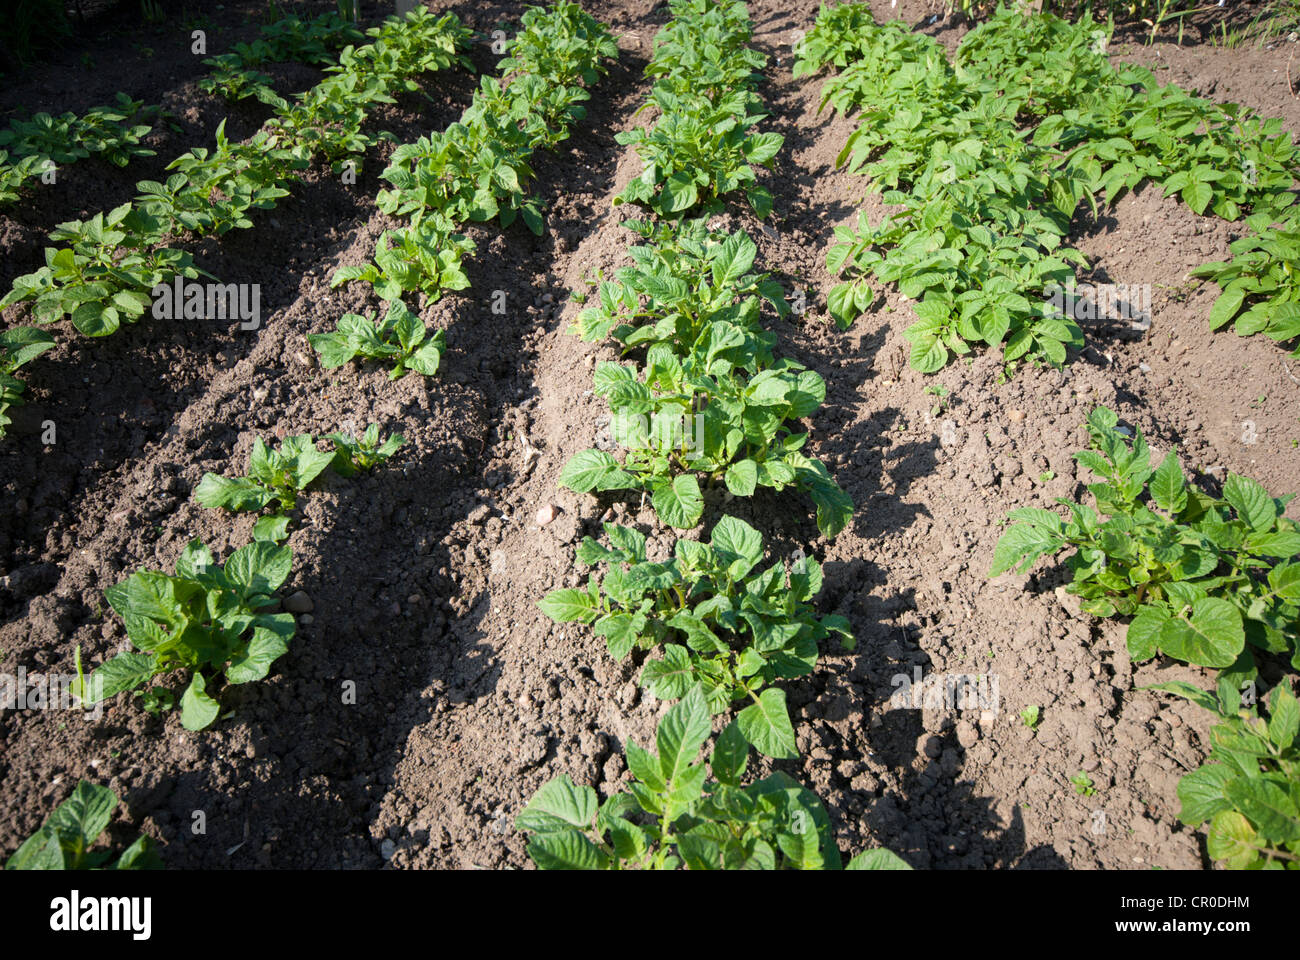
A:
(64, 842)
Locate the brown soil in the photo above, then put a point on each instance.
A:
(425, 575)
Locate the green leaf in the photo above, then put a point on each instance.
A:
(584, 470)
(742, 478)
(557, 806)
(85, 814)
(567, 605)
(1212, 637)
(1201, 794)
(1168, 486)
(198, 710)
(1231, 838)
(126, 671)
(766, 724)
(730, 755)
(679, 503)
(1251, 501)
(681, 733)
(1270, 810)
(569, 850)
(878, 859)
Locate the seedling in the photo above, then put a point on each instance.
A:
(1030, 717)
(353, 455)
(401, 338)
(66, 839)
(274, 476)
(1083, 784)
(205, 618)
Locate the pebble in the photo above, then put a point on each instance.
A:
(967, 734)
(299, 602)
(546, 514)
(1016, 416)
(387, 849)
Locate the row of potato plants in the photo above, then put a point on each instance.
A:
(235, 76)
(477, 169)
(1124, 127)
(995, 156)
(726, 628)
(990, 160)
(29, 147)
(1213, 581)
(103, 270)
(219, 621)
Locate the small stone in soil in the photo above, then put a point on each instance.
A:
(299, 602)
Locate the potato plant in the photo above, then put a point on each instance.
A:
(66, 840)
(18, 346)
(977, 243)
(206, 618)
(1248, 789)
(104, 276)
(673, 815)
(720, 622)
(478, 168)
(1200, 576)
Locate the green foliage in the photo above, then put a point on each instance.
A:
(18, 346)
(1261, 284)
(1083, 784)
(65, 840)
(1249, 787)
(234, 76)
(1030, 717)
(206, 618)
(401, 337)
(990, 160)
(704, 144)
(114, 133)
(353, 455)
(710, 398)
(274, 476)
(721, 623)
(104, 277)
(478, 168)
(1200, 576)
(672, 815)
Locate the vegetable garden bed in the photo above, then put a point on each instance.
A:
(423, 696)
